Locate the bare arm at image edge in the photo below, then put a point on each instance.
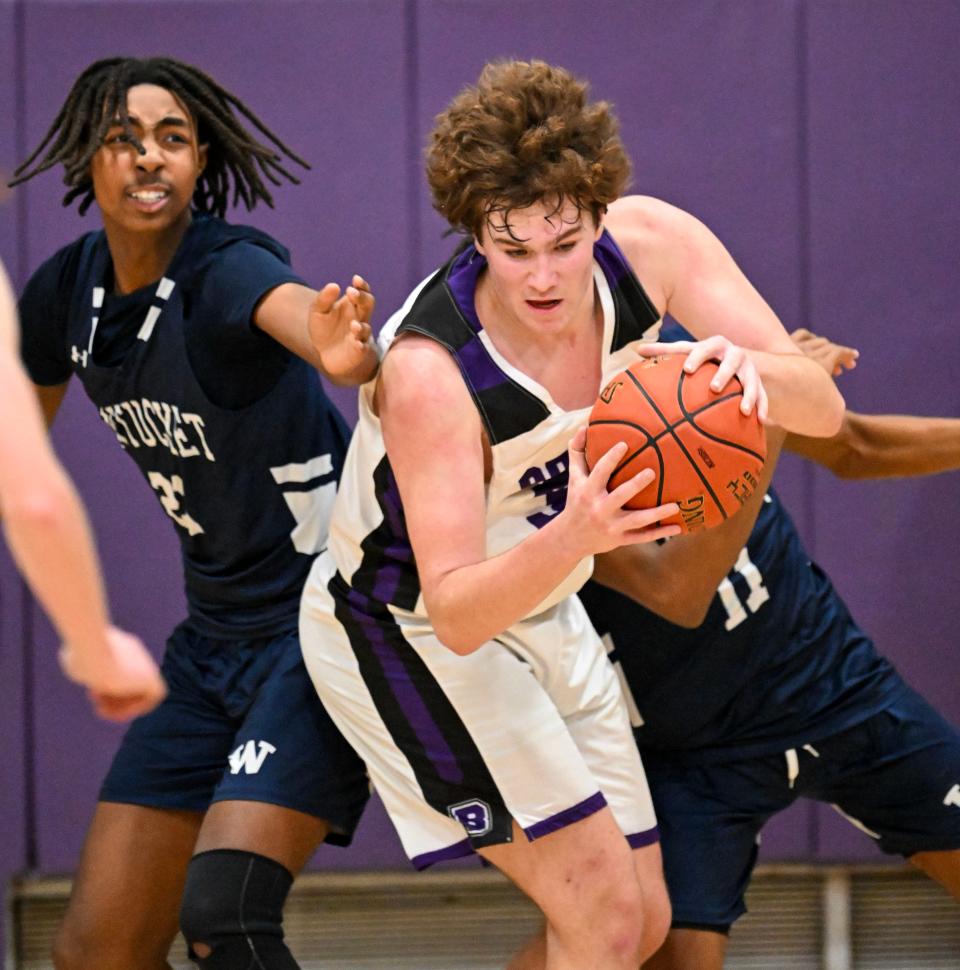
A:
(49, 536)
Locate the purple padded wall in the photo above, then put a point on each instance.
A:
(294, 70)
(714, 99)
(707, 100)
(9, 250)
(885, 231)
(14, 778)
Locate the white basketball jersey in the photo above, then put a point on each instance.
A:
(527, 431)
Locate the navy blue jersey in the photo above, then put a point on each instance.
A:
(778, 661)
(232, 432)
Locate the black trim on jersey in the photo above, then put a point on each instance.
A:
(634, 312)
(374, 622)
(507, 409)
(375, 559)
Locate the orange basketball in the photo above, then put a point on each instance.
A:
(706, 453)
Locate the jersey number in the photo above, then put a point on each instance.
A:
(310, 508)
(758, 595)
(169, 489)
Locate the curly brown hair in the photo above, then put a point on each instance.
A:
(524, 133)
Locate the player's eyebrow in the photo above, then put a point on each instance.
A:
(168, 121)
(511, 243)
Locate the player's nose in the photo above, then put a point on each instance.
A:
(543, 276)
(152, 158)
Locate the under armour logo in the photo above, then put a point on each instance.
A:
(953, 797)
(249, 757)
(78, 355)
(474, 815)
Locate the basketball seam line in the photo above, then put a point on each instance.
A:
(676, 438)
(691, 416)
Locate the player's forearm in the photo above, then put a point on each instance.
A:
(473, 604)
(289, 313)
(803, 398)
(49, 537)
(885, 446)
(44, 521)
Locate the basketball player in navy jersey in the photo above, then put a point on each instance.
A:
(202, 350)
(49, 535)
(440, 628)
(752, 686)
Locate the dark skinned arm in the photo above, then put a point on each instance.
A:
(678, 579)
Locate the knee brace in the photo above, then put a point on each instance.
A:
(232, 911)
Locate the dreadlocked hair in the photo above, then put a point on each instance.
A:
(98, 101)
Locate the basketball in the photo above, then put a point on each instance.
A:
(706, 453)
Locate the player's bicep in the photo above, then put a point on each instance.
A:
(432, 434)
(709, 294)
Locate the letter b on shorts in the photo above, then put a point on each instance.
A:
(474, 815)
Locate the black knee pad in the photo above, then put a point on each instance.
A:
(233, 905)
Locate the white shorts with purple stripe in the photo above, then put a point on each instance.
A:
(532, 727)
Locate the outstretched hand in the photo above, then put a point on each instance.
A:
(734, 361)
(123, 680)
(833, 358)
(596, 520)
(339, 327)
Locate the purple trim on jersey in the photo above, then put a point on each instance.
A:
(456, 851)
(391, 571)
(568, 816)
(393, 507)
(639, 839)
(387, 582)
(612, 261)
(474, 358)
(462, 283)
(479, 367)
(407, 696)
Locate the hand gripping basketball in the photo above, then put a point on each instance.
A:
(705, 452)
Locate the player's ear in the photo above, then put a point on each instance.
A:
(202, 151)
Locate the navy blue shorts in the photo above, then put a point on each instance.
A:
(896, 776)
(242, 720)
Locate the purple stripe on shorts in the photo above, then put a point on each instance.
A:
(456, 851)
(567, 817)
(639, 839)
(408, 697)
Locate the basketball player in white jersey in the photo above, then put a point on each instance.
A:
(48, 534)
(440, 629)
